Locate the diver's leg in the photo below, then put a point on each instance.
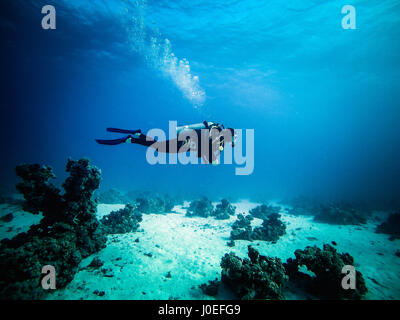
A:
(142, 140)
(113, 142)
(127, 139)
(166, 146)
(124, 131)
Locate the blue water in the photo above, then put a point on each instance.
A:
(323, 101)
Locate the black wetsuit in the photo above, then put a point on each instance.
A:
(177, 146)
(172, 145)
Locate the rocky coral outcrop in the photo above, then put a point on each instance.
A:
(327, 265)
(39, 193)
(200, 208)
(241, 228)
(271, 229)
(224, 210)
(258, 277)
(261, 277)
(68, 232)
(122, 221)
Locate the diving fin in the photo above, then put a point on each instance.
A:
(113, 142)
(123, 130)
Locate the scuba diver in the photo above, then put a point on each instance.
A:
(214, 135)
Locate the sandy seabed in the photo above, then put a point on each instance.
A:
(171, 255)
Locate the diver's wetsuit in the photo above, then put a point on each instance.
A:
(172, 145)
(167, 146)
(176, 146)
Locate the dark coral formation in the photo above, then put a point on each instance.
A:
(74, 206)
(259, 277)
(79, 188)
(204, 208)
(68, 232)
(391, 226)
(200, 208)
(263, 211)
(224, 210)
(327, 265)
(241, 228)
(210, 289)
(271, 229)
(122, 221)
(339, 213)
(39, 193)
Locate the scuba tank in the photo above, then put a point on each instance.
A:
(196, 126)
